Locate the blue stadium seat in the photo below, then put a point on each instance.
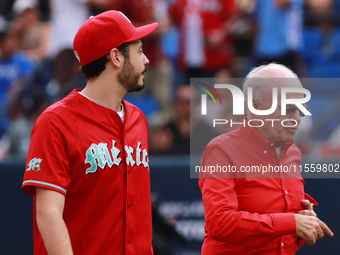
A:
(336, 43)
(319, 107)
(312, 39)
(318, 104)
(336, 5)
(328, 69)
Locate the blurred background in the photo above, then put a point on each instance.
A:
(195, 38)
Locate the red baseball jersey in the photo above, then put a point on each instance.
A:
(84, 151)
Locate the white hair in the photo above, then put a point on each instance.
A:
(257, 79)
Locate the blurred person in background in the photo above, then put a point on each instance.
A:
(172, 135)
(222, 112)
(279, 28)
(66, 17)
(322, 17)
(15, 69)
(321, 13)
(66, 76)
(206, 44)
(175, 133)
(33, 33)
(160, 135)
(180, 124)
(16, 140)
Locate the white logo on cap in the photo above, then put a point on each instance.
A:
(77, 55)
(91, 17)
(124, 16)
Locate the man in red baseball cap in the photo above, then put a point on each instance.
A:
(87, 165)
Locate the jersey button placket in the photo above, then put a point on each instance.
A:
(286, 194)
(282, 245)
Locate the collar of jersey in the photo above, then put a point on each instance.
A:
(258, 140)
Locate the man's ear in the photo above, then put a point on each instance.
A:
(255, 103)
(116, 58)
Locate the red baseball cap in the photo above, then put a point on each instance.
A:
(103, 32)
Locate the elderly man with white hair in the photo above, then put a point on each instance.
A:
(251, 213)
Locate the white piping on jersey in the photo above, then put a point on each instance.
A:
(46, 184)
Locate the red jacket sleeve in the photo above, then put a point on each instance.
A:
(312, 200)
(224, 222)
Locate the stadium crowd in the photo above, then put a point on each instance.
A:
(195, 38)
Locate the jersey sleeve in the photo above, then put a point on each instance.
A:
(47, 163)
(224, 221)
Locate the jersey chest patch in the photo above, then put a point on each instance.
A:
(99, 155)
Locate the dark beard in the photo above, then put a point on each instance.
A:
(129, 78)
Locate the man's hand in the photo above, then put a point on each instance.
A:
(307, 208)
(310, 228)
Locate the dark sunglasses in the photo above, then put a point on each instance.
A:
(290, 111)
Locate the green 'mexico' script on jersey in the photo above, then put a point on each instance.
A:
(98, 155)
